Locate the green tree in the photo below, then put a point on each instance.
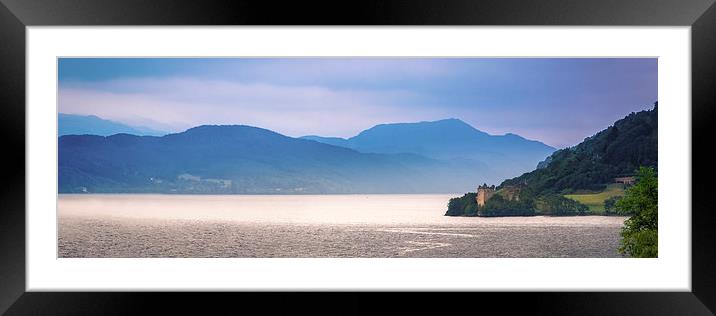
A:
(498, 205)
(639, 234)
(610, 205)
(462, 206)
(557, 205)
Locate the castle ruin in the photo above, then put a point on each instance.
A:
(484, 193)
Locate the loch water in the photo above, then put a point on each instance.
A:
(306, 226)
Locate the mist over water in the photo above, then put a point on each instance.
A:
(315, 226)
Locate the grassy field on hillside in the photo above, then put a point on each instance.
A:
(595, 201)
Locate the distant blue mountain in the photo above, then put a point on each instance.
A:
(71, 124)
(335, 141)
(445, 156)
(452, 141)
(242, 160)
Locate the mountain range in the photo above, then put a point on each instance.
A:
(72, 124)
(451, 140)
(444, 156)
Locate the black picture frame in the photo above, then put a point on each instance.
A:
(15, 15)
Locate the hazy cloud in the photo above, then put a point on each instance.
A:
(180, 103)
(559, 101)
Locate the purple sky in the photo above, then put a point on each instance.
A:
(558, 101)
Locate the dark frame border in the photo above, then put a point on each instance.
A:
(15, 15)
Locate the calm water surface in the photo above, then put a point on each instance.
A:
(315, 226)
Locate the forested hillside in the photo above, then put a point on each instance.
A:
(619, 150)
(616, 151)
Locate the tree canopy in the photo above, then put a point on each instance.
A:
(639, 235)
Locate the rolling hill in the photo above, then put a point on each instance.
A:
(429, 157)
(239, 159)
(558, 185)
(618, 150)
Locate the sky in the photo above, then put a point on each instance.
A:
(559, 101)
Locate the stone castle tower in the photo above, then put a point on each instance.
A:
(484, 193)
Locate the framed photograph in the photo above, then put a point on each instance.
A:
(525, 149)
